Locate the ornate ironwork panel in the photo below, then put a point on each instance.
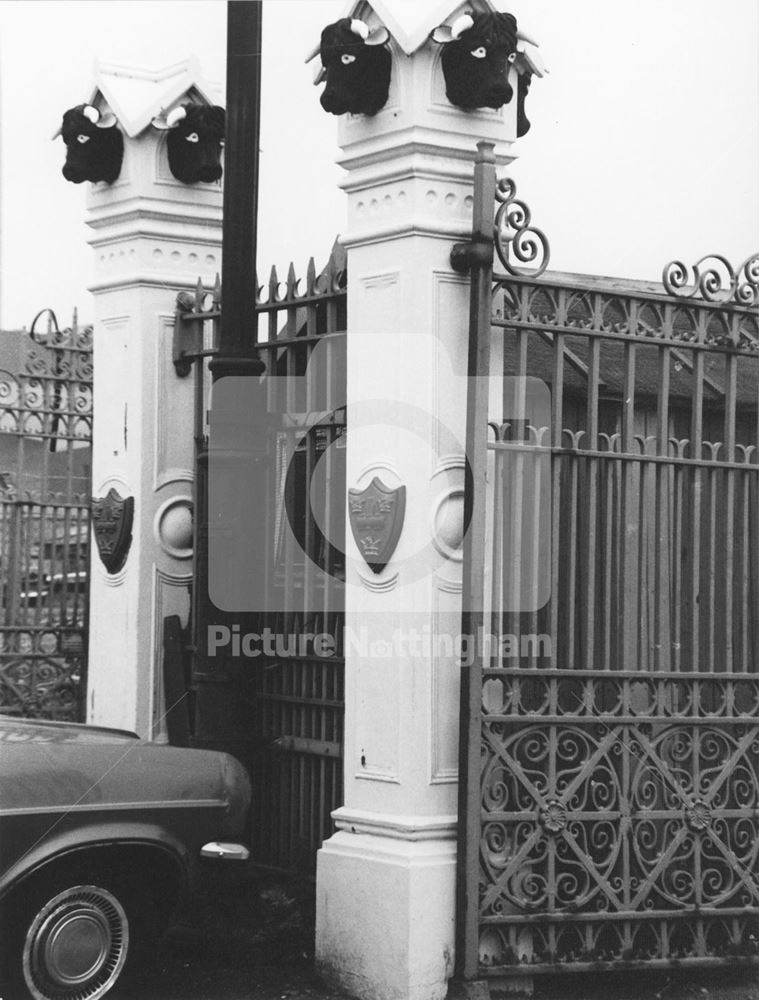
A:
(45, 476)
(619, 823)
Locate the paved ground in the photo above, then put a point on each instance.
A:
(252, 939)
(243, 939)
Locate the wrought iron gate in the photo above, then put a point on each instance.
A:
(45, 476)
(282, 711)
(610, 735)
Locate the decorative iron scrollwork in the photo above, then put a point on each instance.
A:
(714, 280)
(516, 239)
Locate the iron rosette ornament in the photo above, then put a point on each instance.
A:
(522, 249)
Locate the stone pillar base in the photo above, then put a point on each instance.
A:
(385, 914)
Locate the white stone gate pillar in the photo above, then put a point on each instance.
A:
(386, 879)
(152, 237)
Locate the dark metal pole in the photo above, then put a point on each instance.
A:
(240, 189)
(477, 257)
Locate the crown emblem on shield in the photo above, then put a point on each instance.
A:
(376, 518)
(112, 517)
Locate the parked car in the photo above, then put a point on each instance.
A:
(101, 837)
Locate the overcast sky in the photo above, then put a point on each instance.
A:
(644, 144)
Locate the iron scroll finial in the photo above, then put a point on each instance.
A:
(714, 279)
(512, 235)
(516, 239)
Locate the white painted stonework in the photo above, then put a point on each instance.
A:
(386, 879)
(152, 237)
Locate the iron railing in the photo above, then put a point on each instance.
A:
(45, 485)
(610, 764)
(281, 713)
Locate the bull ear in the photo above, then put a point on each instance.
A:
(377, 37)
(442, 34)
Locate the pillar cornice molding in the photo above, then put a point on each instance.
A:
(414, 161)
(151, 218)
(430, 143)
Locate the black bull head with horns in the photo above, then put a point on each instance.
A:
(479, 50)
(194, 142)
(94, 145)
(356, 66)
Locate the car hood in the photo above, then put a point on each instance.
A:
(60, 765)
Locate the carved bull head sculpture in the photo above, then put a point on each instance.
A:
(356, 66)
(478, 52)
(194, 142)
(94, 145)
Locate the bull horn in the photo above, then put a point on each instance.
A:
(107, 121)
(524, 37)
(460, 25)
(91, 113)
(175, 117)
(360, 28)
(313, 53)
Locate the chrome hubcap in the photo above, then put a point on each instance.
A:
(76, 945)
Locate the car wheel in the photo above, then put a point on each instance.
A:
(76, 942)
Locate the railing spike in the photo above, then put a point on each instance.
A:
(310, 276)
(273, 284)
(292, 282)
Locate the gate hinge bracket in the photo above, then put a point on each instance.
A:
(465, 256)
(188, 335)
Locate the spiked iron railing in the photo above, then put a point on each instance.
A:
(282, 715)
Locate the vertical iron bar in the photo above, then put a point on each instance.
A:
(693, 576)
(662, 588)
(630, 513)
(588, 583)
(480, 306)
(731, 390)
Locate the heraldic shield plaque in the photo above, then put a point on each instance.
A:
(376, 517)
(112, 517)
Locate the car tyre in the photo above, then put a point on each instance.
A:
(76, 939)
